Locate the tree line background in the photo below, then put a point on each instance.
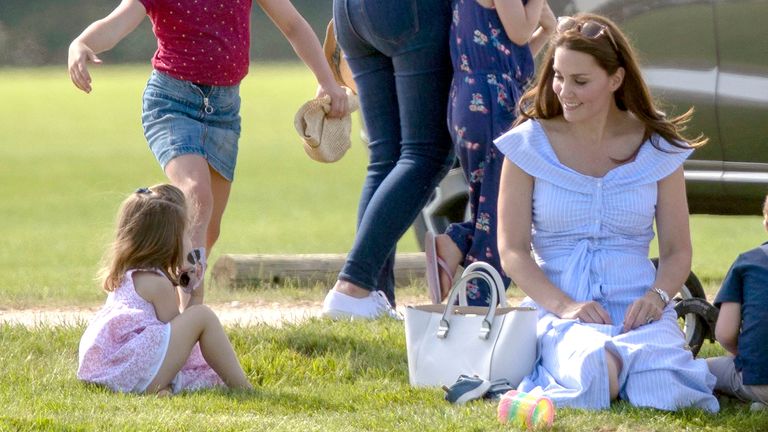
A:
(38, 32)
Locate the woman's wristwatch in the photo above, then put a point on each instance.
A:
(663, 294)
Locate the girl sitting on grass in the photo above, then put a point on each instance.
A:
(139, 342)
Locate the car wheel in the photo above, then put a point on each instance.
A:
(691, 312)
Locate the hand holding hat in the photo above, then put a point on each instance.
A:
(325, 139)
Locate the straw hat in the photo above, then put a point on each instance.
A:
(325, 139)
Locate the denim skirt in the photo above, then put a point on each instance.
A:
(181, 118)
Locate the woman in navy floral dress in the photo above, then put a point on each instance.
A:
(492, 47)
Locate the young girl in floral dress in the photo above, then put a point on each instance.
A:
(139, 342)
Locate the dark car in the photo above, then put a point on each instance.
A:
(712, 55)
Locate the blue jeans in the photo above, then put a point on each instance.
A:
(399, 57)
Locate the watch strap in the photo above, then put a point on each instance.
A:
(663, 294)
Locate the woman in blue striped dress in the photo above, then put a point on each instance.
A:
(589, 168)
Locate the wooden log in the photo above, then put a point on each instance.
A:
(233, 270)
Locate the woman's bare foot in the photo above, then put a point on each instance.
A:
(451, 254)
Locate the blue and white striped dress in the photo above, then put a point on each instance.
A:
(591, 237)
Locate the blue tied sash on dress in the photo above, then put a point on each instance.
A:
(585, 264)
(578, 269)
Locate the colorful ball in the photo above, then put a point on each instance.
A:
(525, 410)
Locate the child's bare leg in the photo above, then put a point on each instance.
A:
(199, 323)
(218, 351)
(191, 174)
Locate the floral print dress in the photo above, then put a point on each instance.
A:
(489, 75)
(125, 345)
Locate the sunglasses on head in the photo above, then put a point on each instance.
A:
(589, 29)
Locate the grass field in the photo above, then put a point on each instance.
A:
(66, 161)
(316, 376)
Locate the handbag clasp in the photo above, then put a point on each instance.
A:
(442, 329)
(485, 330)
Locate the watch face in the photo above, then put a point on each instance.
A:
(663, 294)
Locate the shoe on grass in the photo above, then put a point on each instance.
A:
(466, 388)
(758, 406)
(338, 305)
(498, 389)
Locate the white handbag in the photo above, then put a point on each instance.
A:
(497, 342)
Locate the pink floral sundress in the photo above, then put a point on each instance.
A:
(125, 344)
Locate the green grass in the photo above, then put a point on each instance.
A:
(67, 159)
(718, 240)
(314, 376)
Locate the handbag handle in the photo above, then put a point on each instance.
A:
(485, 326)
(498, 286)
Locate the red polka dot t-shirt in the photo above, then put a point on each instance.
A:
(201, 41)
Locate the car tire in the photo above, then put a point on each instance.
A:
(690, 305)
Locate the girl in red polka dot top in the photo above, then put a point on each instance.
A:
(191, 105)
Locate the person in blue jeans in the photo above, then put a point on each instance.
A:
(492, 48)
(398, 54)
(742, 327)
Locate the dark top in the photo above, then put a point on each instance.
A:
(747, 283)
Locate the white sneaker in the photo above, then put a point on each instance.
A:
(338, 305)
(758, 406)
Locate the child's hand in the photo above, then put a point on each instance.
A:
(339, 104)
(191, 275)
(79, 56)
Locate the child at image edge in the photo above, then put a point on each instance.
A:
(139, 342)
(742, 327)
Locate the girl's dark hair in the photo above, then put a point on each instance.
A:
(541, 102)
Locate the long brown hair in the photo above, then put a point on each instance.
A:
(151, 225)
(611, 50)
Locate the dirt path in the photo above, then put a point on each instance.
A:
(232, 313)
